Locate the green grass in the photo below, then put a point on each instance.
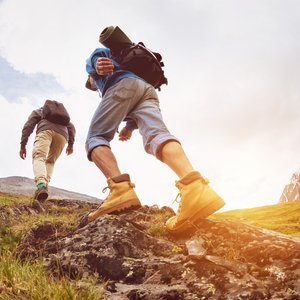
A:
(28, 280)
(158, 224)
(22, 280)
(54, 214)
(28, 221)
(8, 239)
(282, 217)
(7, 199)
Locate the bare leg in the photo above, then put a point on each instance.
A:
(105, 160)
(174, 156)
(198, 200)
(122, 195)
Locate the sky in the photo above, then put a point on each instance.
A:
(232, 100)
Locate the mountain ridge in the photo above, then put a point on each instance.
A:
(25, 186)
(291, 191)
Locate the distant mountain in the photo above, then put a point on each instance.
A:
(25, 186)
(291, 191)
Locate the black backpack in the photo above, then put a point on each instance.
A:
(55, 112)
(143, 62)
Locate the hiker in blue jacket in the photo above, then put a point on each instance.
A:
(126, 96)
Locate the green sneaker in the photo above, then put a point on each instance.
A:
(41, 194)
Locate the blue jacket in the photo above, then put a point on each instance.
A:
(106, 81)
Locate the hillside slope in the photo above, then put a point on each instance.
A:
(25, 186)
(282, 217)
(44, 255)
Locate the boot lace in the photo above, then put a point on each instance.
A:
(204, 181)
(110, 192)
(178, 201)
(104, 189)
(132, 185)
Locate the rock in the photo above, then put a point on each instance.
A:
(195, 249)
(36, 205)
(138, 259)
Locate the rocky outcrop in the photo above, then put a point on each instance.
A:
(137, 259)
(291, 191)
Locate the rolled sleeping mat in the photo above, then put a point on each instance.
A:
(114, 38)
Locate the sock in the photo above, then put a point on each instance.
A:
(190, 177)
(41, 185)
(121, 178)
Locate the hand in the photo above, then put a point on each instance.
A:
(104, 66)
(23, 153)
(125, 134)
(92, 83)
(69, 150)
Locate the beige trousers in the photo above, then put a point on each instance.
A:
(47, 147)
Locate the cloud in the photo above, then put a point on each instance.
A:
(232, 99)
(14, 84)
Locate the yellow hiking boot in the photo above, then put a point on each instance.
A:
(198, 201)
(121, 197)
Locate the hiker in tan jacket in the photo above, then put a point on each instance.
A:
(49, 143)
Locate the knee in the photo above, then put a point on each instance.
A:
(168, 148)
(98, 152)
(39, 155)
(92, 144)
(157, 147)
(50, 161)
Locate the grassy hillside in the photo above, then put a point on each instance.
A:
(283, 217)
(22, 280)
(27, 279)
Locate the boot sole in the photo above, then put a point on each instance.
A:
(198, 217)
(42, 197)
(129, 205)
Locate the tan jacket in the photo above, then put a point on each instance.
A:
(36, 118)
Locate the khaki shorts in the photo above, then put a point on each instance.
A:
(134, 99)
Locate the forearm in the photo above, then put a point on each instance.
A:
(71, 133)
(131, 125)
(29, 126)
